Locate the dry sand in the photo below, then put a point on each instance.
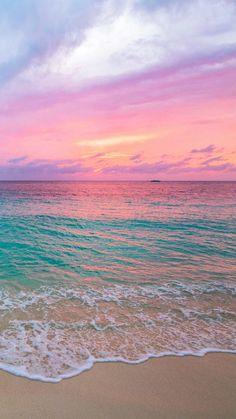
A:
(170, 387)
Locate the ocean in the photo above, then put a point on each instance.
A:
(114, 271)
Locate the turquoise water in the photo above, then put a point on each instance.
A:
(100, 271)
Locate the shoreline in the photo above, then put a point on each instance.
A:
(180, 387)
(91, 363)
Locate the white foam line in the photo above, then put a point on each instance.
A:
(91, 361)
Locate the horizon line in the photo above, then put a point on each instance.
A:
(116, 180)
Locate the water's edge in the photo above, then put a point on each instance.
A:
(91, 362)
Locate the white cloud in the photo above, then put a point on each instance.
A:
(128, 39)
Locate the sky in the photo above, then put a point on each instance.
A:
(116, 90)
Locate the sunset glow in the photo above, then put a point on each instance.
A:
(118, 90)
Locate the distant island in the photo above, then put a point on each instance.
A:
(155, 180)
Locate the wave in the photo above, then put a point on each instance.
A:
(20, 372)
(56, 332)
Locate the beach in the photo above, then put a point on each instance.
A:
(164, 388)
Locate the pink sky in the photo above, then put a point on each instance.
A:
(144, 90)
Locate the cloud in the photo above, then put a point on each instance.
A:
(209, 149)
(43, 169)
(145, 168)
(212, 160)
(220, 167)
(17, 159)
(191, 79)
(136, 158)
(97, 155)
(166, 168)
(140, 38)
(59, 169)
(33, 30)
(112, 141)
(72, 42)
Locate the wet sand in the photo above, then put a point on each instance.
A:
(165, 388)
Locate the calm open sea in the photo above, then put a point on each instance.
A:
(100, 271)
